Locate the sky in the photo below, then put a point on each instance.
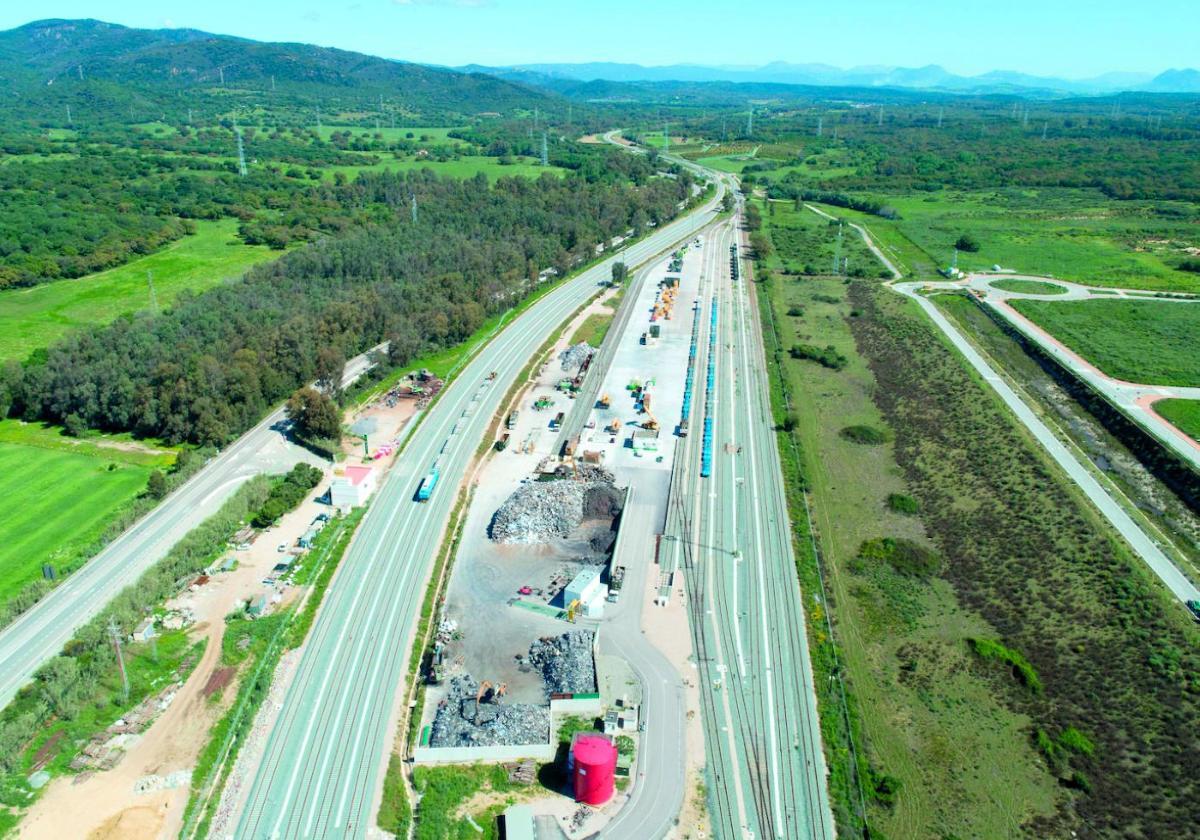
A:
(1066, 38)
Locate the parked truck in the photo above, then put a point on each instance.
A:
(511, 422)
(425, 490)
(557, 422)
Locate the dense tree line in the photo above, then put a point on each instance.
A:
(208, 369)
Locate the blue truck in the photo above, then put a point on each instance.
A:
(425, 490)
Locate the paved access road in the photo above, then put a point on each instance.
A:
(731, 535)
(1143, 545)
(1134, 399)
(41, 632)
(323, 761)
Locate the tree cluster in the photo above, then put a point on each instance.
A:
(208, 368)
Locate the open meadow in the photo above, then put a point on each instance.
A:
(35, 317)
(1142, 341)
(62, 494)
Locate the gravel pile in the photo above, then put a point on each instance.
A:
(544, 510)
(566, 662)
(574, 356)
(458, 723)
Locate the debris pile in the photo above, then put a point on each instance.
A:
(566, 662)
(544, 510)
(153, 783)
(460, 722)
(574, 356)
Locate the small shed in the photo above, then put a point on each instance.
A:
(257, 606)
(145, 631)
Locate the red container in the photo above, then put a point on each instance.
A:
(595, 760)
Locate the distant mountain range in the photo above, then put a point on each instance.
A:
(929, 77)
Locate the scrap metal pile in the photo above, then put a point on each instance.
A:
(462, 722)
(544, 510)
(566, 662)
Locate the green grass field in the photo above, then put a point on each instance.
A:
(1185, 414)
(1029, 287)
(36, 317)
(1073, 234)
(806, 243)
(62, 493)
(1143, 341)
(436, 134)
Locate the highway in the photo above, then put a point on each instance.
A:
(324, 758)
(41, 631)
(731, 536)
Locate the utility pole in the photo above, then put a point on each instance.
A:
(666, 138)
(81, 72)
(820, 126)
(750, 122)
(1045, 126)
(189, 116)
(153, 297)
(941, 114)
(535, 117)
(318, 118)
(414, 209)
(242, 171)
(837, 249)
(545, 151)
(221, 70)
(116, 640)
(69, 122)
(272, 83)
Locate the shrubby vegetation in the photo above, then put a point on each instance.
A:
(827, 356)
(1104, 644)
(286, 494)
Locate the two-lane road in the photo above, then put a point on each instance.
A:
(40, 632)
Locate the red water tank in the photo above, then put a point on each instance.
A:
(595, 760)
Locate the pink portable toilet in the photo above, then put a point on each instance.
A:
(595, 761)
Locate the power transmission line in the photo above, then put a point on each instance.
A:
(242, 171)
(116, 640)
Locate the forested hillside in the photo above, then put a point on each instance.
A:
(107, 72)
(208, 369)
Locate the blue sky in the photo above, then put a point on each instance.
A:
(1071, 38)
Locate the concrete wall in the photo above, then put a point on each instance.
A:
(466, 755)
(576, 706)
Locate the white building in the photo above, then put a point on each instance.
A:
(352, 486)
(587, 589)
